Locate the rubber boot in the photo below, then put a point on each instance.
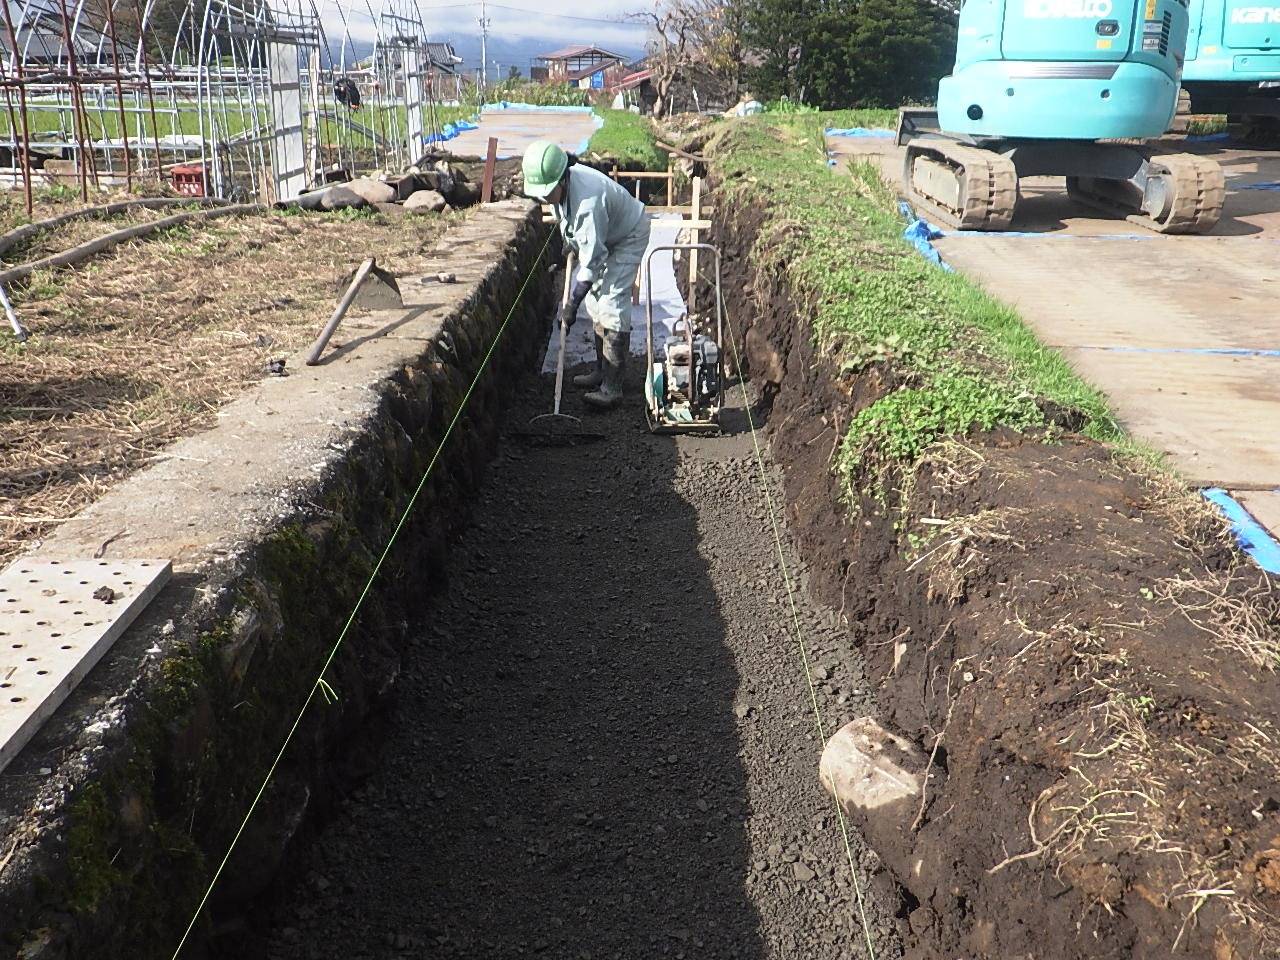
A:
(616, 348)
(589, 381)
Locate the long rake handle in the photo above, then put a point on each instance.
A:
(564, 333)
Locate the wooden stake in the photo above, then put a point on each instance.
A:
(490, 166)
(693, 254)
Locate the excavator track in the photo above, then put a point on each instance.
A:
(964, 187)
(1195, 191)
(1181, 124)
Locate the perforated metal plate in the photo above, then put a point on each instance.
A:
(53, 629)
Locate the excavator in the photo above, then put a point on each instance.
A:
(1233, 65)
(1064, 88)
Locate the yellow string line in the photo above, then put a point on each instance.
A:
(333, 652)
(795, 616)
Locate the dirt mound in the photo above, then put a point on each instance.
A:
(1072, 640)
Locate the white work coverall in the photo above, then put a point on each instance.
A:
(609, 231)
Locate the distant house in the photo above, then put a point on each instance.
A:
(637, 89)
(41, 41)
(591, 68)
(444, 74)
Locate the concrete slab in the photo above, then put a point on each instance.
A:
(201, 497)
(1264, 505)
(57, 620)
(516, 129)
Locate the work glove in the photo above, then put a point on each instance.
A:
(570, 312)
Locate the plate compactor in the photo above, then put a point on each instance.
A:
(1063, 88)
(684, 382)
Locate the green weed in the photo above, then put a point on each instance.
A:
(627, 138)
(959, 361)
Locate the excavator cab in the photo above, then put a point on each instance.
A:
(1044, 88)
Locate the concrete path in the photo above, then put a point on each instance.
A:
(1182, 333)
(516, 129)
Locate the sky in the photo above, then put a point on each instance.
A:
(519, 30)
(528, 24)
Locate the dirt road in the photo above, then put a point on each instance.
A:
(516, 129)
(1182, 333)
(603, 746)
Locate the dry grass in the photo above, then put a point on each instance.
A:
(1116, 797)
(1239, 609)
(140, 347)
(959, 548)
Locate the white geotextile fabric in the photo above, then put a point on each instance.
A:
(668, 306)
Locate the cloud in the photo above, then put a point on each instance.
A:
(520, 23)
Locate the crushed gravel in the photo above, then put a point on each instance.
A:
(602, 744)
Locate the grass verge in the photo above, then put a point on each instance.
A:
(627, 138)
(961, 360)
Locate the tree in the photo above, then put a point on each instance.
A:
(695, 45)
(850, 53)
(670, 26)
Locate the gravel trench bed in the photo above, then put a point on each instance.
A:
(602, 744)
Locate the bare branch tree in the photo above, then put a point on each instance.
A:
(694, 43)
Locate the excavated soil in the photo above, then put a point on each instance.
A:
(602, 744)
(1075, 645)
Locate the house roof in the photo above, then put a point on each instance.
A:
(442, 53)
(634, 80)
(45, 42)
(569, 53)
(591, 68)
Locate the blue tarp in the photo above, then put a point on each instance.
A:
(921, 234)
(1209, 138)
(865, 132)
(1251, 535)
(451, 131)
(1274, 186)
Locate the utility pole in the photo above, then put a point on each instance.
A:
(484, 46)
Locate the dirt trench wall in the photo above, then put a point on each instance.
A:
(120, 811)
(1056, 618)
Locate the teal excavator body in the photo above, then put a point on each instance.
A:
(1065, 69)
(1233, 63)
(1233, 41)
(1060, 88)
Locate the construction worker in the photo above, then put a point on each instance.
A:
(609, 231)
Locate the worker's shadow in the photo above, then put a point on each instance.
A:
(570, 716)
(562, 773)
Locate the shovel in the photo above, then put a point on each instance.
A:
(556, 428)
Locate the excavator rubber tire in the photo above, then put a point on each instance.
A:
(984, 185)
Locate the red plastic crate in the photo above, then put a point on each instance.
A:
(188, 179)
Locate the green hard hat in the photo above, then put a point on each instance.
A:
(544, 165)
